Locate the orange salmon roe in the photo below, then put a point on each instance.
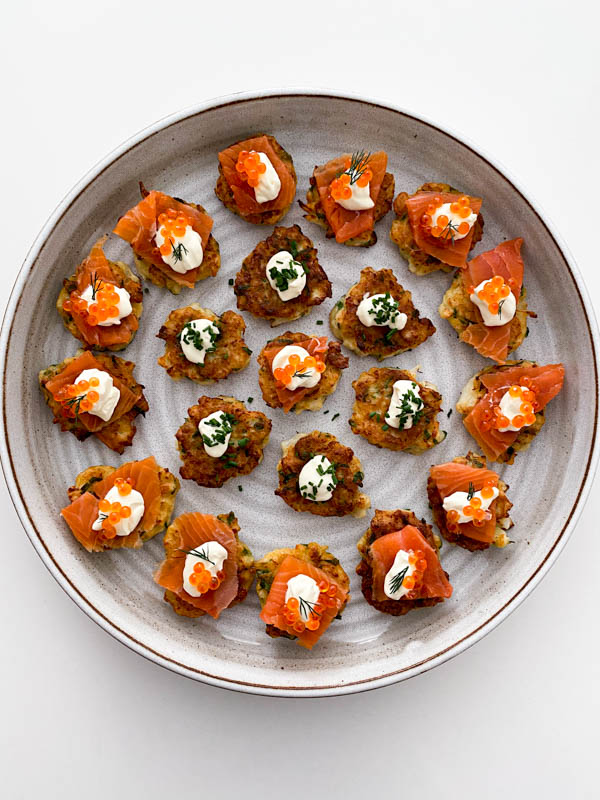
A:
(112, 514)
(77, 397)
(203, 581)
(104, 305)
(494, 291)
(296, 365)
(327, 599)
(172, 225)
(250, 167)
(527, 409)
(472, 509)
(444, 229)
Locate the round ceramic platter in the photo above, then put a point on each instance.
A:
(366, 649)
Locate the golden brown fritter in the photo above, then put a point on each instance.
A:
(474, 390)
(169, 486)
(420, 262)
(314, 398)
(503, 506)
(225, 194)
(245, 567)
(125, 279)
(250, 435)
(373, 394)
(118, 434)
(316, 554)
(315, 213)
(385, 522)
(347, 497)
(379, 341)
(230, 353)
(256, 295)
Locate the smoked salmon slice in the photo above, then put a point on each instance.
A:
(243, 193)
(449, 252)
(504, 260)
(194, 530)
(273, 610)
(545, 381)
(316, 347)
(454, 477)
(383, 552)
(139, 225)
(349, 224)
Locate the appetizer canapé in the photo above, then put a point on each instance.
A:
(301, 590)
(102, 302)
(436, 227)
(503, 407)
(171, 240)
(396, 411)
(469, 503)
(257, 180)
(486, 303)
(377, 317)
(202, 346)
(95, 395)
(281, 279)
(207, 568)
(348, 195)
(297, 371)
(400, 567)
(320, 475)
(113, 508)
(221, 439)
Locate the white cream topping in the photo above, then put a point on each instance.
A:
(186, 251)
(392, 582)
(317, 479)
(360, 200)
(213, 557)
(307, 378)
(405, 406)
(197, 338)
(454, 220)
(306, 590)
(511, 407)
(507, 307)
(380, 310)
(285, 275)
(125, 526)
(108, 394)
(123, 306)
(269, 184)
(458, 500)
(215, 430)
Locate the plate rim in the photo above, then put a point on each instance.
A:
(144, 649)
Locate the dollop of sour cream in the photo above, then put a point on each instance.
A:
(108, 394)
(125, 526)
(510, 407)
(186, 251)
(269, 183)
(458, 500)
(380, 310)
(285, 275)
(123, 307)
(317, 479)
(306, 590)
(197, 338)
(360, 199)
(454, 220)
(215, 430)
(213, 557)
(406, 405)
(506, 310)
(390, 582)
(308, 378)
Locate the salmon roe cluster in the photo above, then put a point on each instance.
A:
(444, 228)
(526, 415)
(112, 513)
(104, 305)
(202, 579)
(292, 609)
(473, 509)
(76, 397)
(341, 187)
(250, 167)
(418, 562)
(494, 291)
(172, 225)
(297, 366)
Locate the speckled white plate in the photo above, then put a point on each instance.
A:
(366, 649)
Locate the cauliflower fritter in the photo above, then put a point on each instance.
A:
(420, 262)
(117, 434)
(373, 394)
(230, 353)
(385, 522)
(314, 212)
(245, 567)
(503, 506)
(254, 292)
(474, 390)
(316, 554)
(378, 341)
(251, 430)
(347, 497)
(314, 398)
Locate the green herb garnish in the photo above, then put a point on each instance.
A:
(397, 581)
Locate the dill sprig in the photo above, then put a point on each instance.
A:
(96, 284)
(500, 304)
(178, 251)
(307, 608)
(398, 580)
(359, 162)
(198, 553)
(471, 491)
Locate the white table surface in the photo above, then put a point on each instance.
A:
(514, 716)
